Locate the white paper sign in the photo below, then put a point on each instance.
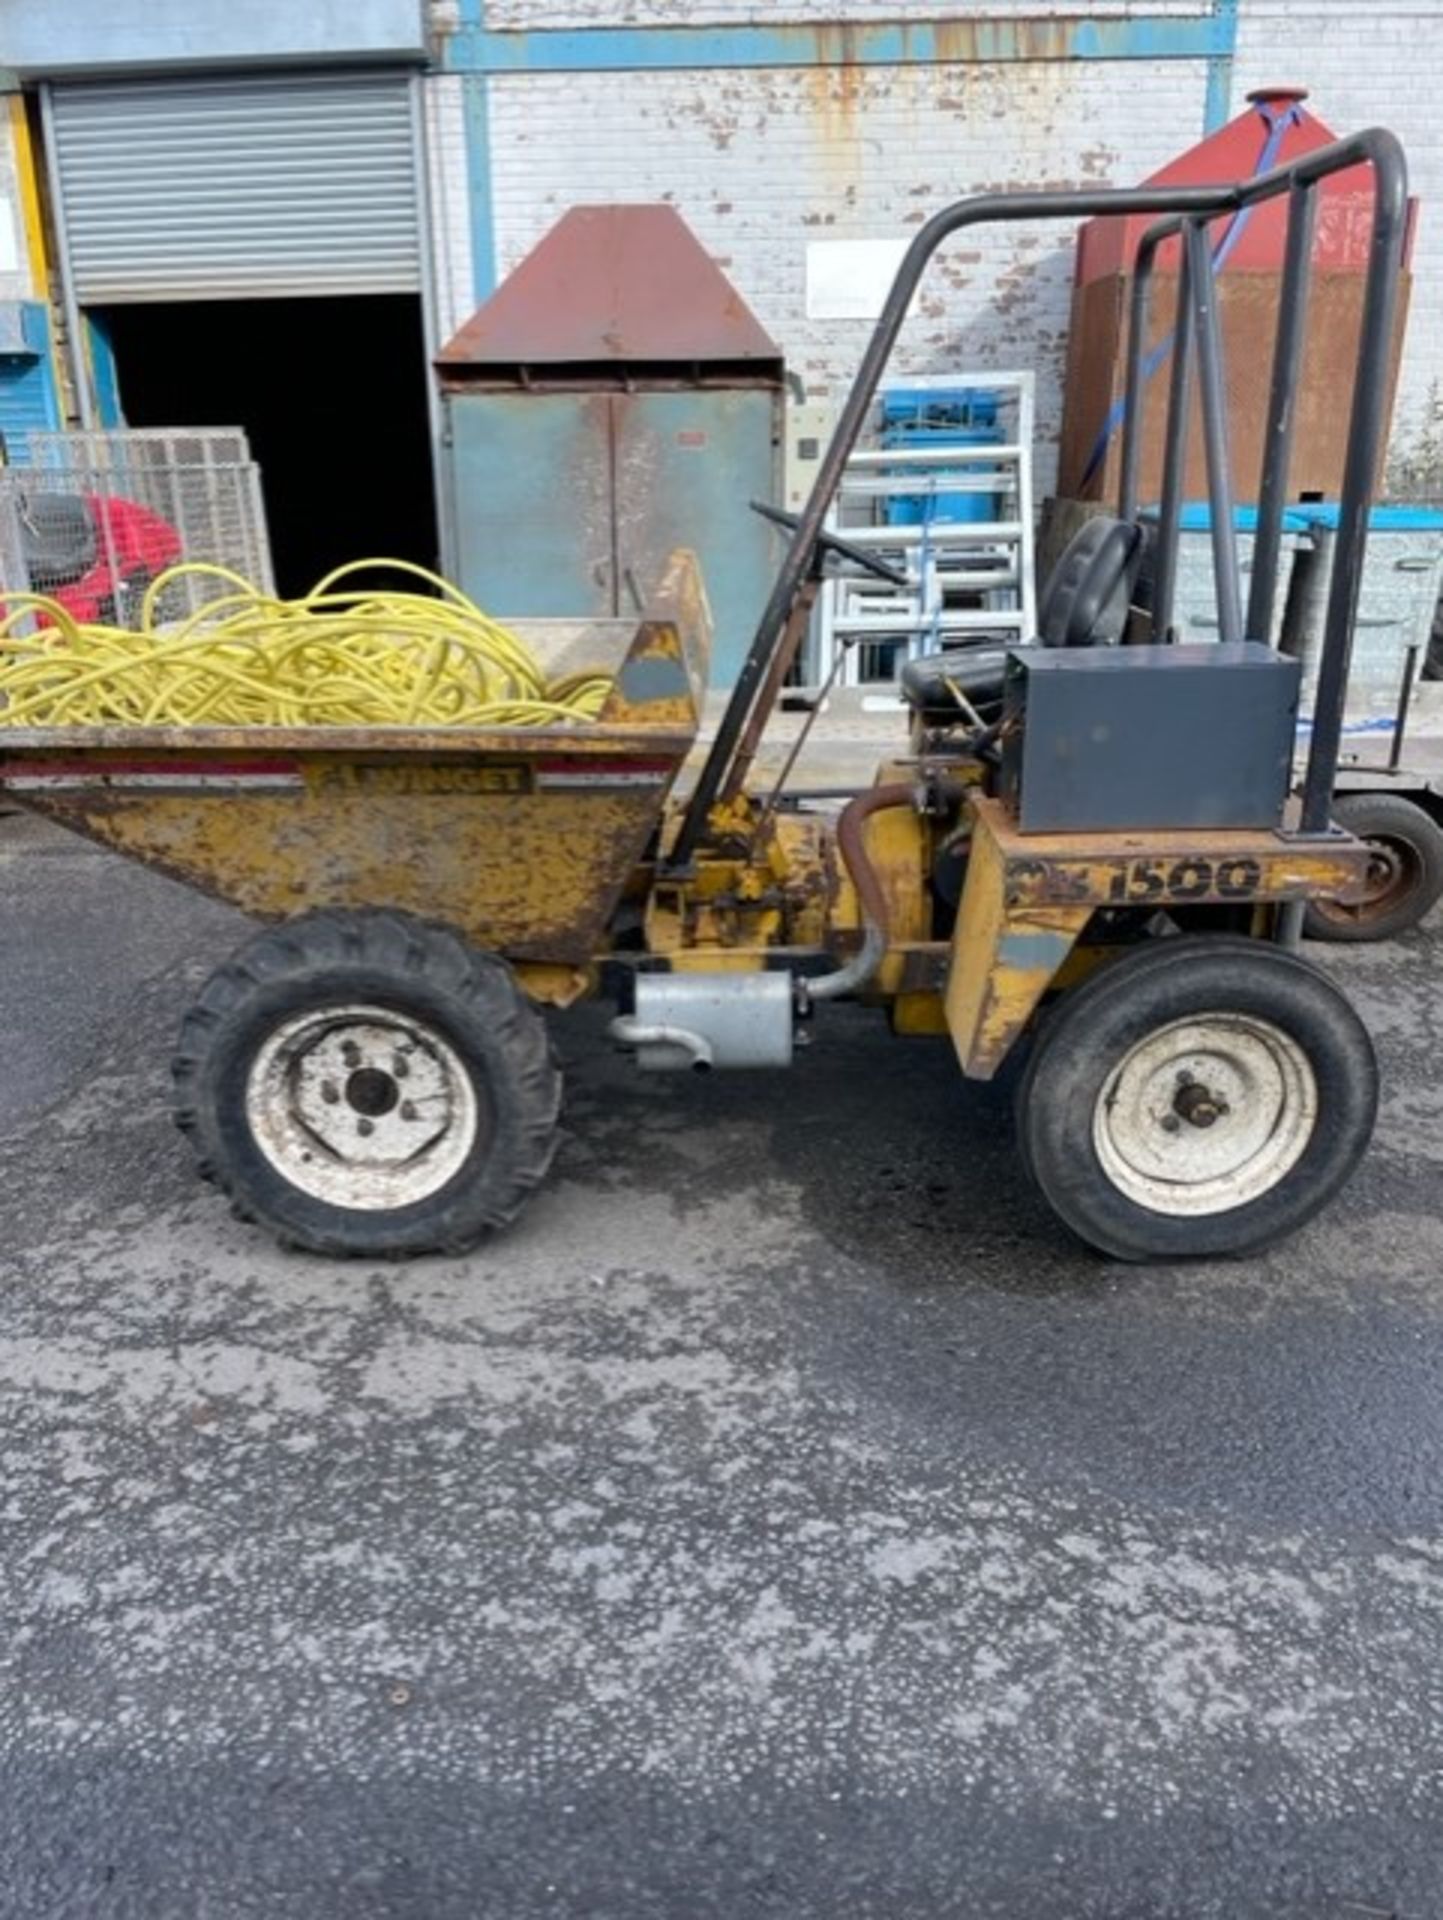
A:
(850, 279)
(9, 241)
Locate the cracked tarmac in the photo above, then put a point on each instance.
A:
(786, 1518)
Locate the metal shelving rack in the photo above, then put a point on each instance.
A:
(970, 579)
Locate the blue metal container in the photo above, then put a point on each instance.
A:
(915, 417)
(613, 400)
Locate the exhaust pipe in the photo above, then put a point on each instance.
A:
(705, 1020)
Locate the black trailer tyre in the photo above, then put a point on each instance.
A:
(1405, 874)
(367, 1083)
(1206, 1095)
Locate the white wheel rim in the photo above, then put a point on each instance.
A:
(362, 1107)
(1206, 1114)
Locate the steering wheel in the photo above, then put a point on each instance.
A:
(830, 543)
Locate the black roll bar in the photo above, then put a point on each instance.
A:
(1187, 208)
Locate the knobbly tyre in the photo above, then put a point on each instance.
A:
(1085, 844)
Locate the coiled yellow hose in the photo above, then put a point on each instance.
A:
(339, 657)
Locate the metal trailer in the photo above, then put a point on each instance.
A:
(372, 1073)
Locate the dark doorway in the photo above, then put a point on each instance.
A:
(332, 394)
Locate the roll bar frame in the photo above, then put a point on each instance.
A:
(1188, 211)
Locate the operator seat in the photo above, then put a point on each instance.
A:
(1084, 604)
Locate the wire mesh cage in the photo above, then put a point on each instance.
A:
(91, 520)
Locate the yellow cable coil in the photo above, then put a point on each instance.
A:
(339, 657)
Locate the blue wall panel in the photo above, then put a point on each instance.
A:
(482, 49)
(56, 37)
(28, 400)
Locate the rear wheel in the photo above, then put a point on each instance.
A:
(1203, 1096)
(367, 1083)
(1405, 869)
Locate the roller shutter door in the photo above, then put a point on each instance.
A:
(245, 187)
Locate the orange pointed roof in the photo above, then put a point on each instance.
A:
(1274, 128)
(619, 284)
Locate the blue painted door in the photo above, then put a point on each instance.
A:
(28, 399)
(687, 463)
(534, 528)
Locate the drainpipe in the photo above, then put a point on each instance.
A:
(74, 320)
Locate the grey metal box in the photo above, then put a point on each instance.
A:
(1198, 735)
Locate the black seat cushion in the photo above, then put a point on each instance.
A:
(1084, 604)
(928, 682)
(1085, 601)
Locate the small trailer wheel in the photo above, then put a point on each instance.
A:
(1405, 871)
(366, 1083)
(1206, 1095)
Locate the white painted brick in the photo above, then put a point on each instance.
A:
(759, 163)
(450, 201)
(15, 284)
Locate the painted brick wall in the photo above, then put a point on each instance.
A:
(759, 163)
(450, 199)
(1380, 62)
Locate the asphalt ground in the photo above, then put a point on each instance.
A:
(787, 1518)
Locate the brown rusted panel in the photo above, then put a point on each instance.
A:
(1248, 311)
(610, 284)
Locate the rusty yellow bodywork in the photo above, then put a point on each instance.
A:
(538, 843)
(1028, 899)
(522, 838)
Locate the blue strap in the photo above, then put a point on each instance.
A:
(1277, 126)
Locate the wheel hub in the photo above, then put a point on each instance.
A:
(372, 1091)
(1197, 1104)
(362, 1107)
(1206, 1114)
(1385, 870)
(1392, 873)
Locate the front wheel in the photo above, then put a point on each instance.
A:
(1203, 1096)
(366, 1083)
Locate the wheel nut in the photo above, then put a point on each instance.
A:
(1196, 1105)
(408, 1110)
(365, 1128)
(1170, 1123)
(330, 1092)
(351, 1054)
(400, 1066)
